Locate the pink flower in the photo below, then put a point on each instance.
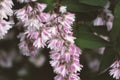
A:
(64, 23)
(25, 46)
(39, 43)
(53, 30)
(21, 14)
(66, 56)
(44, 17)
(74, 77)
(54, 63)
(70, 18)
(63, 9)
(109, 22)
(45, 35)
(115, 64)
(75, 66)
(70, 38)
(109, 25)
(61, 70)
(99, 21)
(5, 12)
(4, 27)
(6, 8)
(55, 55)
(55, 44)
(59, 77)
(105, 17)
(32, 24)
(32, 34)
(41, 7)
(115, 71)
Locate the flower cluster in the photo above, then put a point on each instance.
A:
(105, 18)
(115, 71)
(32, 20)
(56, 31)
(53, 30)
(64, 53)
(5, 11)
(26, 46)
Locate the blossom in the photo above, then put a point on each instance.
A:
(105, 18)
(61, 70)
(22, 14)
(63, 9)
(32, 34)
(6, 8)
(4, 27)
(25, 46)
(59, 77)
(39, 43)
(109, 22)
(74, 77)
(115, 71)
(41, 7)
(55, 44)
(5, 12)
(115, 64)
(99, 21)
(70, 38)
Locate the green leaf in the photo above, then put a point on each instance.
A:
(50, 4)
(86, 18)
(86, 39)
(75, 6)
(81, 29)
(101, 30)
(107, 59)
(101, 3)
(115, 32)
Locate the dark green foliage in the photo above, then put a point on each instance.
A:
(107, 59)
(86, 39)
(115, 33)
(76, 6)
(101, 3)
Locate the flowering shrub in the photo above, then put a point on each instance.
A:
(65, 29)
